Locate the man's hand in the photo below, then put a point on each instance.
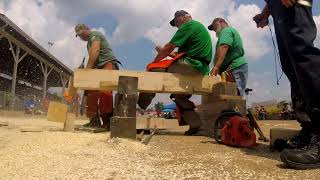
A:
(261, 20)
(288, 3)
(214, 71)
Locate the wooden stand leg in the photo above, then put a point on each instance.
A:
(123, 123)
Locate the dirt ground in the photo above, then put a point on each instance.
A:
(53, 154)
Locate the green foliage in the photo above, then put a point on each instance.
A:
(281, 104)
(159, 106)
(273, 109)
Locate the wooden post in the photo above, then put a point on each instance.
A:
(123, 123)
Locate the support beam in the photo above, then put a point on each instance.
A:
(94, 79)
(46, 70)
(31, 52)
(17, 59)
(123, 123)
(64, 81)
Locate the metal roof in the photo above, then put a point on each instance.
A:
(28, 68)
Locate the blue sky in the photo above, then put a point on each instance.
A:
(134, 28)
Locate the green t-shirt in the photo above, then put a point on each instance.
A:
(105, 53)
(235, 55)
(194, 39)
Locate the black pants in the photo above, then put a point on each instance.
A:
(296, 31)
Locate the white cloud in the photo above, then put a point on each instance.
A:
(317, 21)
(253, 38)
(1, 7)
(54, 21)
(265, 88)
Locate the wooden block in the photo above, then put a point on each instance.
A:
(57, 112)
(216, 107)
(31, 129)
(221, 91)
(160, 123)
(125, 105)
(281, 133)
(123, 127)
(69, 124)
(94, 79)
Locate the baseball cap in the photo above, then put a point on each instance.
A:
(178, 14)
(80, 28)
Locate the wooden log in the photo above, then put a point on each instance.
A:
(69, 124)
(123, 124)
(57, 112)
(156, 82)
(123, 127)
(225, 90)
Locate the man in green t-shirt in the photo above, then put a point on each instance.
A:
(194, 40)
(98, 103)
(229, 55)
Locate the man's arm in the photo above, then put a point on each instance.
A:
(93, 54)
(219, 58)
(164, 52)
(262, 18)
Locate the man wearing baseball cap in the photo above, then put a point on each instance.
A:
(230, 55)
(193, 58)
(99, 103)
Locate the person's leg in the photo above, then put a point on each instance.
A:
(92, 108)
(299, 106)
(299, 31)
(106, 101)
(240, 76)
(186, 107)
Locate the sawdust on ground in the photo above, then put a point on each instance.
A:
(170, 155)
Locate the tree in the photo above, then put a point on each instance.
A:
(281, 104)
(159, 106)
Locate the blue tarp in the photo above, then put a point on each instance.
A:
(170, 106)
(167, 110)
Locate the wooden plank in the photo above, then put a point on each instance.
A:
(125, 109)
(57, 112)
(31, 129)
(94, 79)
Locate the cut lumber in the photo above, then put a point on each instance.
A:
(123, 124)
(156, 82)
(68, 124)
(57, 112)
(123, 127)
(31, 129)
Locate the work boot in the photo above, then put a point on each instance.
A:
(301, 140)
(94, 122)
(303, 158)
(191, 131)
(106, 121)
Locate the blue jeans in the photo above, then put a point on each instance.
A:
(241, 76)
